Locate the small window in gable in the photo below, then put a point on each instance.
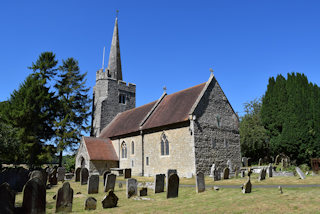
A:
(132, 148)
(147, 161)
(164, 145)
(123, 150)
(122, 98)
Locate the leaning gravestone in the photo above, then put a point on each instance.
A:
(90, 203)
(110, 182)
(173, 186)
(127, 173)
(200, 184)
(226, 173)
(247, 187)
(131, 187)
(270, 170)
(110, 200)
(93, 184)
(34, 197)
(170, 172)
(77, 177)
(159, 183)
(105, 176)
(84, 174)
(300, 173)
(7, 199)
(64, 198)
(61, 173)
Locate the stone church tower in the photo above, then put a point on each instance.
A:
(111, 95)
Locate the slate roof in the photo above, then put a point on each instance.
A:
(100, 149)
(172, 109)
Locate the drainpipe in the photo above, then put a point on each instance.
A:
(142, 151)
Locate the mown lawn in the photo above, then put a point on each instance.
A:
(261, 200)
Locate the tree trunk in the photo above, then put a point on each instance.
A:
(60, 158)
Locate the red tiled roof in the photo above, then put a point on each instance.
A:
(174, 108)
(100, 149)
(126, 122)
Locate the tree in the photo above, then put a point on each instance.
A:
(253, 136)
(73, 108)
(45, 65)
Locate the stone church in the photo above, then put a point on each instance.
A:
(189, 130)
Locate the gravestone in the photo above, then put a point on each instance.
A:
(159, 183)
(243, 173)
(249, 161)
(226, 173)
(213, 167)
(15, 177)
(93, 184)
(270, 170)
(143, 192)
(277, 160)
(7, 199)
(77, 177)
(244, 162)
(39, 174)
(127, 173)
(53, 180)
(260, 162)
(90, 203)
(262, 175)
(34, 197)
(131, 187)
(61, 173)
(247, 187)
(173, 186)
(84, 174)
(105, 176)
(110, 200)
(200, 183)
(229, 164)
(64, 198)
(300, 173)
(170, 172)
(216, 175)
(280, 189)
(110, 182)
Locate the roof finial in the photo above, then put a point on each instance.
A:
(117, 12)
(164, 89)
(211, 71)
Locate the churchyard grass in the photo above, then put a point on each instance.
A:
(261, 200)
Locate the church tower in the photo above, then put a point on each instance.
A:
(111, 95)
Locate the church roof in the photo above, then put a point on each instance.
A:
(169, 109)
(100, 149)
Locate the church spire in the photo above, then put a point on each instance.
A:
(114, 64)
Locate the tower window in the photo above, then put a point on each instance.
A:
(122, 98)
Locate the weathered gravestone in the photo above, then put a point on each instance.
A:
(61, 173)
(173, 186)
(77, 177)
(131, 187)
(7, 199)
(159, 183)
(213, 167)
(90, 203)
(110, 182)
(270, 170)
(170, 172)
(249, 160)
(15, 177)
(247, 186)
(64, 198)
(226, 173)
(216, 175)
(34, 197)
(53, 180)
(300, 173)
(84, 174)
(127, 173)
(243, 173)
(200, 184)
(110, 200)
(105, 176)
(93, 184)
(262, 175)
(244, 162)
(39, 174)
(143, 191)
(260, 162)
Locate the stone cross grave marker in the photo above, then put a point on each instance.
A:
(61, 173)
(200, 183)
(159, 183)
(93, 184)
(34, 197)
(300, 173)
(84, 175)
(7, 198)
(77, 176)
(173, 186)
(64, 198)
(131, 184)
(127, 173)
(110, 182)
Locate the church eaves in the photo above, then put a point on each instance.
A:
(114, 64)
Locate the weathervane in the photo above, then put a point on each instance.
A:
(164, 89)
(117, 12)
(211, 70)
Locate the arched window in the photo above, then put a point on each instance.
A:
(123, 150)
(132, 148)
(164, 145)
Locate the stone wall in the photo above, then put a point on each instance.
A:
(216, 135)
(102, 165)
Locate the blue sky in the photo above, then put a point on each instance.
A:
(167, 43)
